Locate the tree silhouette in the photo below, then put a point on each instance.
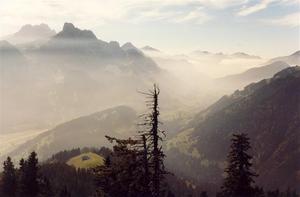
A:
(64, 192)
(9, 179)
(203, 194)
(238, 182)
(136, 167)
(145, 163)
(152, 138)
(29, 186)
(45, 188)
(120, 176)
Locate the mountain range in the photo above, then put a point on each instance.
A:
(70, 68)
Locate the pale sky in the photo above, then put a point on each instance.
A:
(261, 27)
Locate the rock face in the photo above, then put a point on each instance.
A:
(71, 32)
(268, 111)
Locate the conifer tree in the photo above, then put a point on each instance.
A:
(119, 175)
(145, 163)
(64, 192)
(203, 194)
(238, 182)
(258, 192)
(9, 179)
(45, 188)
(22, 176)
(154, 137)
(29, 176)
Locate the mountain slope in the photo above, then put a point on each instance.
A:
(269, 111)
(240, 80)
(86, 131)
(10, 56)
(293, 59)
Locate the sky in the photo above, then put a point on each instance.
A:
(267, 28)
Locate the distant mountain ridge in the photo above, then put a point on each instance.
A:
(31, 33)
(149, 48)
(245, 55)
(293, 59)
(268, 111)
(81, 47)
(267, 70)
(252, 75)
(85, 131)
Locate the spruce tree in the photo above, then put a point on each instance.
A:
(45, 188)
(64, 192)
(203, 194)
(119, 177)
(239, 179)
(22, 177)
(9, 179)
(29, 186)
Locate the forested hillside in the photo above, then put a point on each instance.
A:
(268, 111)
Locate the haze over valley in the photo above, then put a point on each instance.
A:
(67, 93)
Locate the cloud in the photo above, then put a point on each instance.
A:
(222, 4)
(91, 13)
(96, 12)
(168, 13)
(255, 8)
(196, 16)
(263, 4)
(291, 20)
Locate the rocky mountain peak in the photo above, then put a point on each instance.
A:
(70, 32)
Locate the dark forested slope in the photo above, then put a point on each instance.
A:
(269, 111)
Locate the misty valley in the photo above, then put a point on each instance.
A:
(84, 117)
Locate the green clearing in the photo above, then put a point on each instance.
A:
(86, 160)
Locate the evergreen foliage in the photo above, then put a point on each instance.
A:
(239, 179)
(9, 179)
